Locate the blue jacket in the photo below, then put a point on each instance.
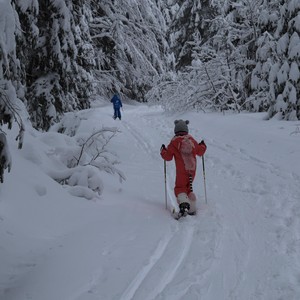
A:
(116, 101)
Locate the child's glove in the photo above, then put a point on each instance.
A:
(163, 147)
(202, 143)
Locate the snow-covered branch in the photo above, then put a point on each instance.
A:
(85, 161)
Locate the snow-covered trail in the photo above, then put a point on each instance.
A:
(257, 194)
(244, 244)
(180, 245)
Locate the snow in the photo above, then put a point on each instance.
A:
(243, 244)
(297, 22)
(294, 72)
(282, 44)
(282, 75)
(7, 25)
(25, 4)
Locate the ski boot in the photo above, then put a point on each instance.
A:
(183, 209)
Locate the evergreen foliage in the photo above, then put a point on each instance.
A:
(285, 73)
(57, 58)
(10, 85)
(265, 57)
(191, 23)
(130, 46)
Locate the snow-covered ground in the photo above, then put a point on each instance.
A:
(244, 244)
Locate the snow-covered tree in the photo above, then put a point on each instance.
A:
(55, 51)
(203, 79)
(266, 56)
(130, 45)
(284, 77)
(214, 43)
(236, 40)
(191, 23)
(9, 83)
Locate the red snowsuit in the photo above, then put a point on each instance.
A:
(184, 148)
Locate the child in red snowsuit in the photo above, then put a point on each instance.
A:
(184, 148)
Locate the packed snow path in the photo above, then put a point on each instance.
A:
(244, 244)
(238, 246)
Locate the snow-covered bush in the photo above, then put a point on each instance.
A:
(84, 158)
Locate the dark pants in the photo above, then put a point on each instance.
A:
(117, 113)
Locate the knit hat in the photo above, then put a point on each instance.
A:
(181, 126)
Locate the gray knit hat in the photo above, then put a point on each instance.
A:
(181, 126)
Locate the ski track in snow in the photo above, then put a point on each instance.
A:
(157, 274)
(266, 200)
(140, 141)
(159, 278)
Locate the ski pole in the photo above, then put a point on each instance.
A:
(204, 178)
(165, 172)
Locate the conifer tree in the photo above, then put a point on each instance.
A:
(58, 77)
(284, 75)
(192, 22)
(236, 40)
(10, 83)
(266, 56)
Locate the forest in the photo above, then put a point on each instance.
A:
(56, 56)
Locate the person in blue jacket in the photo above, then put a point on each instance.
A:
(117, 103)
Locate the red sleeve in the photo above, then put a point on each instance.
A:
(168, 153)
(200, 149)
